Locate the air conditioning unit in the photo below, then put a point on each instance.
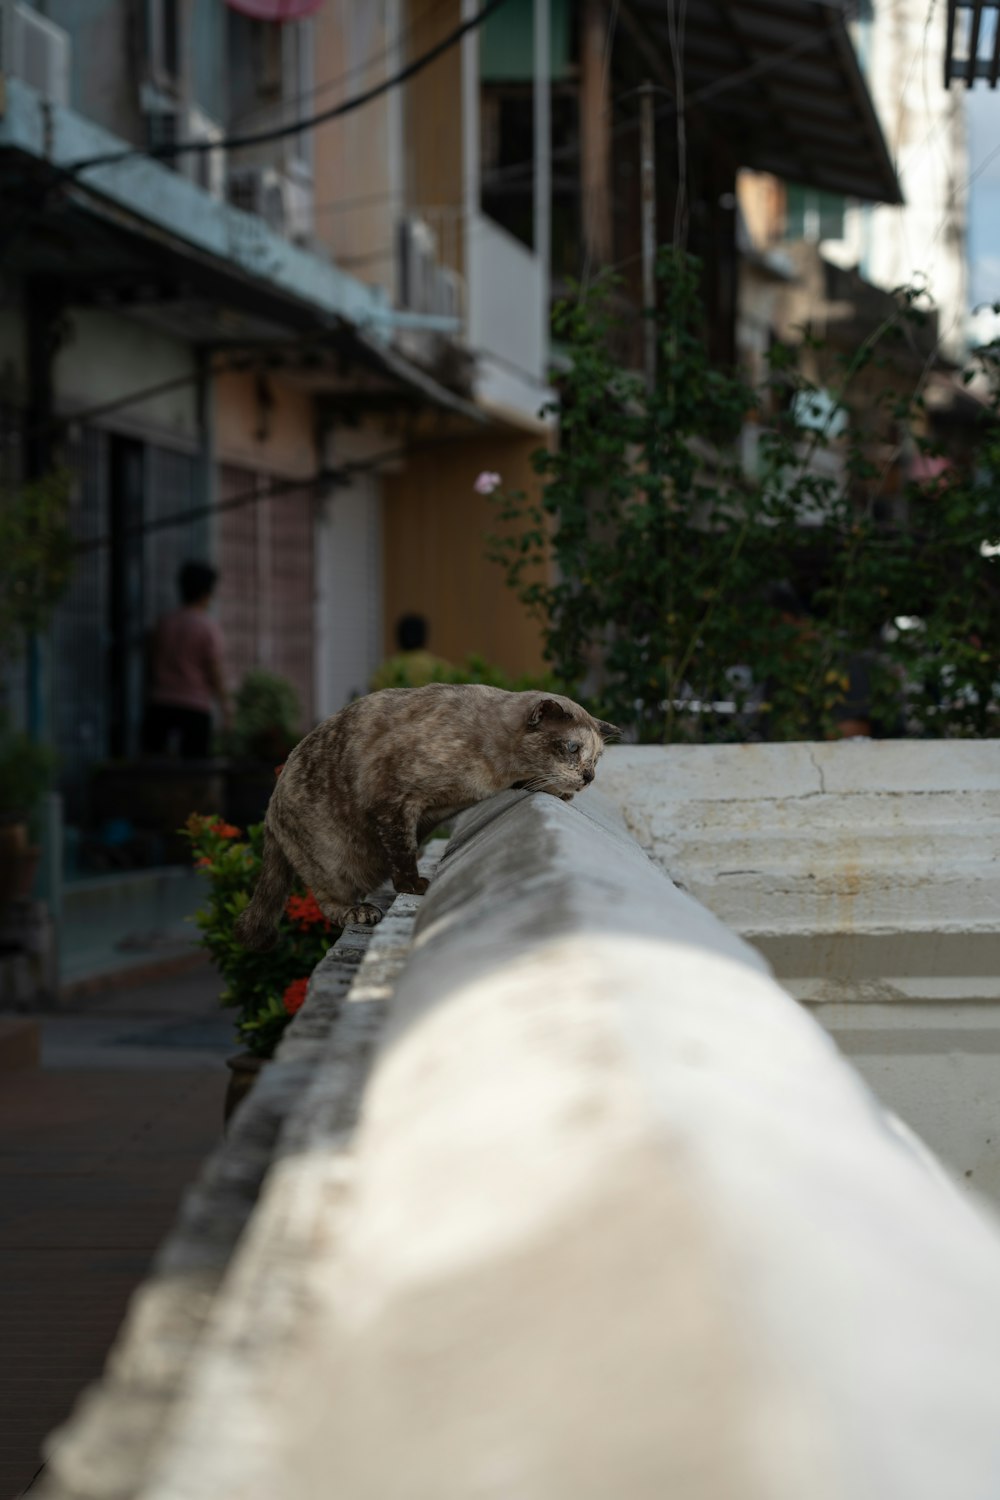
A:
(424, 284)
(260, 191)
(207, 168)
(450, 293)
(298, 210)
(35, 50)
(417, 264)
(284, 204)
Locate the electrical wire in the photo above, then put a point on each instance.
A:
(359, 69)
(168, 152)
(340, 474)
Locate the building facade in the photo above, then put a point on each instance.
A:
(286, 336)
(920, 241)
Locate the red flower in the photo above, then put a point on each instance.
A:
(224, 830)
(305, 911)
(295, 994)
(203, 863)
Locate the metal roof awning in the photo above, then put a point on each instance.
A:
(780, 79)
(972, 49)
(138, 236)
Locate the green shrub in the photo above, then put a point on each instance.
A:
(267, 719)
(265, 989)
(25, 771)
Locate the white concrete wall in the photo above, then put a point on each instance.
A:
(868, 874)
(505, 281)
(574, 1200)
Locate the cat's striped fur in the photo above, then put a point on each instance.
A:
(359, 794)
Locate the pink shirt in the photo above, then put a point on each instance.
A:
(186, 643)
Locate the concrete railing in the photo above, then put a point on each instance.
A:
(502, 273)
(572, 1199)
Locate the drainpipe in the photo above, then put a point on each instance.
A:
(205, 398)
(42, 319)
(470, 152)
(543, 165)
(647, 181)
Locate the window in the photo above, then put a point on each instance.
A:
(813, 215)
(163, 21)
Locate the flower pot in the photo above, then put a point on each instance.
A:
(243, 1069)
(18, 862)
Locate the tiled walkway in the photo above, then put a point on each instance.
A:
(96, 1148)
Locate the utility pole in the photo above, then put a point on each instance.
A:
(647, 180)
(542, 206)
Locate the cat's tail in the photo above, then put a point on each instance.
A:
(257, 927)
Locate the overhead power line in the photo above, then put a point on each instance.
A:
(327, 478)
(357, 71)
(167, 152)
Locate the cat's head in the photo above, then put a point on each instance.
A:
(560, 746)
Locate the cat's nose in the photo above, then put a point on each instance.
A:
(588, 776)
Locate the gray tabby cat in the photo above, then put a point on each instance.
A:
(359, 794)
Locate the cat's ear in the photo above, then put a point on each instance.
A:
(607, 731)
(547, 710)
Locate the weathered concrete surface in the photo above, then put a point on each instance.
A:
(615, 1220)
(887, 841)
(868, 873)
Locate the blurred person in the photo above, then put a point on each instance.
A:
(186, 677)
(413, 665)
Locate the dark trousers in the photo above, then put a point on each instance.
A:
(166, 724)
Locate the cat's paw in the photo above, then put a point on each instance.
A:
(415, 887)
(565, 796)
(363, 915)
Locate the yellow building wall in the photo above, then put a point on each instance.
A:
(435, 529)
(358, 201)
(433, 120)
(355, 212)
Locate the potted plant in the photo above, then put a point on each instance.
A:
(265, 989)
(36, 558)
(266, 726)
(25, 769)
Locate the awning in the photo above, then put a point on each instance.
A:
(138, 237)
(781, 82)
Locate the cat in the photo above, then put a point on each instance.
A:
(359, 794)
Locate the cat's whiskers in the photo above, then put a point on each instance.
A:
(534, 784)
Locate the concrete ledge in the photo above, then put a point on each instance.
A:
(615, 1220)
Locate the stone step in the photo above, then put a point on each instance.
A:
(850, 900)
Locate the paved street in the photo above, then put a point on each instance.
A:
(96, 1148)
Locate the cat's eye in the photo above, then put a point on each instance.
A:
(572, 746)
